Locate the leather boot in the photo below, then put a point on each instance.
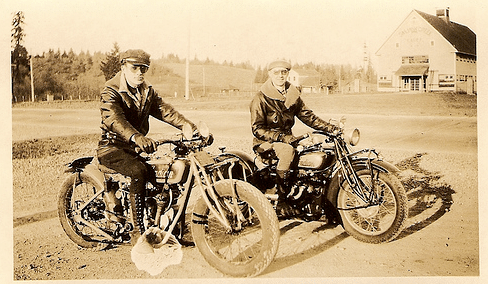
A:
(137, 203)
(114, 206)
(284, 209)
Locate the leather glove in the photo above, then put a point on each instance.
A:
(333, 129)
(289, 139)
(147, 144)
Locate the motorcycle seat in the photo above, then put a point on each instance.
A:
(106, 170)
(267, 158)
(102, 168)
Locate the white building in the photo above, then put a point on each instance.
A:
(428, 53)
(307, 80)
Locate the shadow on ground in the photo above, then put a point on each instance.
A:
(428, 201)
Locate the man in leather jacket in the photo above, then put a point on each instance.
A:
(127, 101)
(273, 112)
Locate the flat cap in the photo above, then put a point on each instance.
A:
(136, 57)
(279, 63)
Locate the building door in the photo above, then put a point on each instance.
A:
(415, 84)
(406, 83)
(411, 84)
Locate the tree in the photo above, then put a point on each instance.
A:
(111, 65)
(19, 59)
(259, 75)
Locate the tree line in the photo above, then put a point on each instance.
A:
(66, 75)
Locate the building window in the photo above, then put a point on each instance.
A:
(432, 42)
(461, 78)
(419, 59)
(446, 80)
(397, 45)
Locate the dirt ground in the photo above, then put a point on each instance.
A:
(437, 155)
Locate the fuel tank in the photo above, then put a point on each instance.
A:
(316, 160)
(169, 170)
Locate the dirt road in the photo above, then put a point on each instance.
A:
(439, 155)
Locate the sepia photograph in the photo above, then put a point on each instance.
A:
(243, 141)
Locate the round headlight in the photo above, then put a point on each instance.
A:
(203, 128)
(353, 137)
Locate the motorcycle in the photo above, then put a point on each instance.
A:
(332, 182)
(232, 224)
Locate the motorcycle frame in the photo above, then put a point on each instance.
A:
(372, 162)
(198, 175)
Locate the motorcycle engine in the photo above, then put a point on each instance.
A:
(308, 193)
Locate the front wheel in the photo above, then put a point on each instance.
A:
(381, 221)
(243, 250)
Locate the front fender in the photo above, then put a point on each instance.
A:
(358, 164)
(381, 165)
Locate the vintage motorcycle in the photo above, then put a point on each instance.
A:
(232, 224)
(334, 183)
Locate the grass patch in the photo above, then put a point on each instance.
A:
(41, 148)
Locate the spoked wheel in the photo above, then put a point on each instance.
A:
(380, 222)
(248, 247)
(82, 214)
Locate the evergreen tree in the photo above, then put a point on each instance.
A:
(19, 59)
(259, 75)
(111, 65)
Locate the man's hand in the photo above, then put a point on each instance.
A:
(147, 144)
(292, 140)
(333, 129)
(289, 139)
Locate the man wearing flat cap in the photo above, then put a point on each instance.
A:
(127, 101)
(273, 112)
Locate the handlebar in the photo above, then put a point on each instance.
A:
(183, 143)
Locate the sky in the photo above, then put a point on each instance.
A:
(318, 31)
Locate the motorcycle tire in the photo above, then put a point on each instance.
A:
(258, 238)
(75, 191)
(374, 224)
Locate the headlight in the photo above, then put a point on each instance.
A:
(353, 137)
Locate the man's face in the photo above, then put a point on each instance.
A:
(278, 76)
(134, 73)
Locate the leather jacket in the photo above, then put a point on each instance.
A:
(273, 116)
(121, 118)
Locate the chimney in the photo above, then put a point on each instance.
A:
(443, 14)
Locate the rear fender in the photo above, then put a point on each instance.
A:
(87, 166)
(78, 164)
(244, 157)
(358, 164)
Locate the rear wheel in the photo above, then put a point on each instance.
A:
(80, 212)
(240, 251)
(380, 222)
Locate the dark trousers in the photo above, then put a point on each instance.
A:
(128, 164)
(285, 153)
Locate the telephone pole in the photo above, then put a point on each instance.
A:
(187, 65)
(31, 78)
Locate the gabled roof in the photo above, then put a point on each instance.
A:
(461, 37)
(306, 72)
(310, 81)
